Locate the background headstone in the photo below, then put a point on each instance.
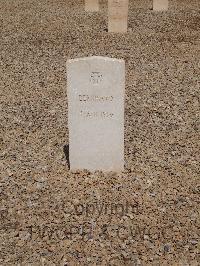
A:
(160, 5)
(91, 5)
(117, 15)
(96, 87)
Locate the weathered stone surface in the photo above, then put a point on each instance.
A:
(117, 15)
(96, 113)
(92, 5)
(160, 5)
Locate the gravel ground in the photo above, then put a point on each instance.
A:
(147, 215)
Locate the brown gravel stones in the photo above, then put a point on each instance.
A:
(149, 214)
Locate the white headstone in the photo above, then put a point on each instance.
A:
(160, 5)
(96, 87)
(91, 5)
(117, 15)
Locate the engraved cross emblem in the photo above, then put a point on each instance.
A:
(96, 77)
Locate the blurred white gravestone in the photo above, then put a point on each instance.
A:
(117, 15)
(96, 88)
(91, 5)
(160, 5)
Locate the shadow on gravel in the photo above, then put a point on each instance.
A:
(66, 152)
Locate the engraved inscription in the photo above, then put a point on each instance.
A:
(87, 114)
(96, 77)
(95, 98)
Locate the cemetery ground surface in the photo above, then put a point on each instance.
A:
(147, 215)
